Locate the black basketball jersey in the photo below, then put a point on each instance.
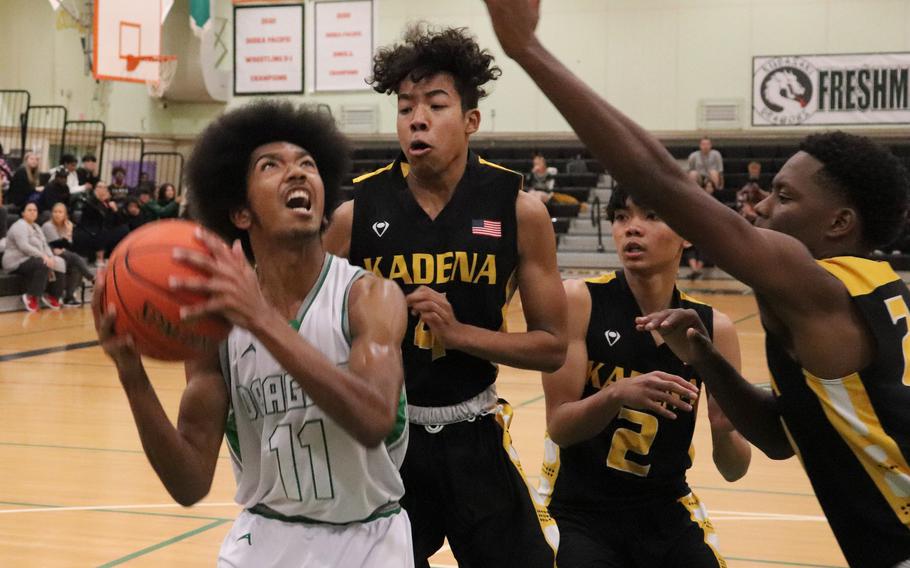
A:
(640, 457)
(469, 253)
(853, 434)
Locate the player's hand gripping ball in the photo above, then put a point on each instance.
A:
(137, 284)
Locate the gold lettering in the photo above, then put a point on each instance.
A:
(422, 268)
(372, 265)
(399, 270)
(488, 269)
(444, 267)
(594, 374)
(465, 272)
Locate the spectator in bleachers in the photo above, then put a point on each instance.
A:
(541, 182)
(134, 215)
(6, 173)
(68, 163)
(24, 185)
(58, 231)
(118, 188)
(28, 254)
(87, 173)
(100, 228)
(167, 206)
(706, 164)
(145, 184)
(56, 191)
(751, 193)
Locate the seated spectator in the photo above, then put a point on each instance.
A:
(167, 206)
(24, 185)
(68, 163)
(134, 215)
(59, 234)
(100, 228)
(145, 184)
(87, 173)
(6, 173)
(751, 193)
(706, 164)
(118, 188)
(541, 182)
(56, 191)
(27, 253)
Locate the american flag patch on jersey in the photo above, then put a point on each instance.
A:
(486, 228)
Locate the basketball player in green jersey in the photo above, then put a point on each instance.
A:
(458, 235)
(838, 342)
(621, 413)
(312, 410)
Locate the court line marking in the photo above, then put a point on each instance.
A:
(163, 544)
(745, 318)
(48, 350)
(54, 509)
(122, 511)
(83, 448)
(42, 331)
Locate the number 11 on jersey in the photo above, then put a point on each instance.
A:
(303, 458)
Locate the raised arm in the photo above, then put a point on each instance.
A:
(639, 160)
(363, 398)
(732, 453)
(572, 419)
(752, 410)
(543, 346)
(184, 457)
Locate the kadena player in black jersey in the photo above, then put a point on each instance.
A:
(621, 413)
(458, 235)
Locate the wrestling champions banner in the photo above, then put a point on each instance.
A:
(860, 89)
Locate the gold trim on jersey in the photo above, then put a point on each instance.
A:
(549, 470)
(685, 297)
(699, 516)
(547, 523)
(498, 167)
(604, 278)
(859, 275)
(849, 410)
(511, 286)
(360, 178)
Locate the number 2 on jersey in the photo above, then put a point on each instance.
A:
(626, 440)
(310, 452)
(897, 309)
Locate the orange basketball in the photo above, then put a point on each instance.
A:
(137, 284)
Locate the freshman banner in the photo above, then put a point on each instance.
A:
(268, 49)
(858, 89)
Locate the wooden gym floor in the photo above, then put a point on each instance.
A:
(76, 489)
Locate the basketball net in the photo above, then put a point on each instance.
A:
(167, 67)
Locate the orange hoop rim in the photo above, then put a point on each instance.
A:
(133, 61)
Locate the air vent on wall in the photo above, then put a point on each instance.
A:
(359, 119)
(719, 114)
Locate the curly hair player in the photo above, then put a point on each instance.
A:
(837, 324)
(313, 411)
(458, 235)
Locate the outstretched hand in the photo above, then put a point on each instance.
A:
(232, 287)
(514, 22)
(683, 331)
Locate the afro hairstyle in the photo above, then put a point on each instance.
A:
(870, 177)
(219, 165)
(425, 53)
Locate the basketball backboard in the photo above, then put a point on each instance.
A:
(125, 30)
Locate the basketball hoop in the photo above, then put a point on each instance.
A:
(167, 67)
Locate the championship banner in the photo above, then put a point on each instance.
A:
(344, 45)
(268, 50)
(860, 89)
